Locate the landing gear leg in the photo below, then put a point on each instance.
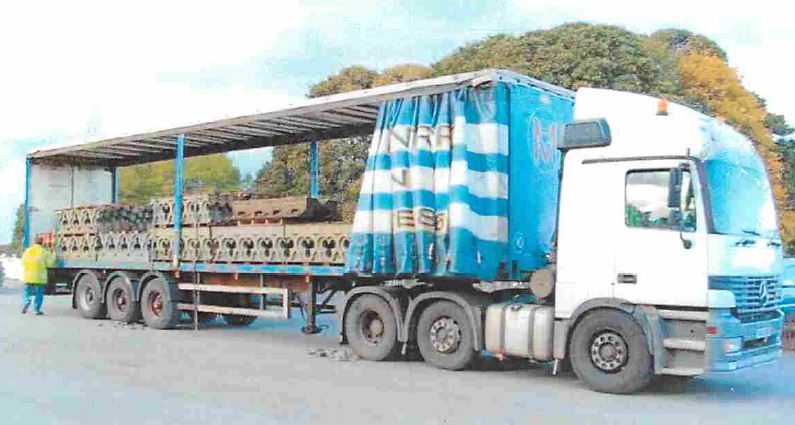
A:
(311, 328)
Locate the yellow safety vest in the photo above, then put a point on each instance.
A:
(35, 261)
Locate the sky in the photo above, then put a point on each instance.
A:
(85, 70)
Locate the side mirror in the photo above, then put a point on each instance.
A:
(586, 134)
(675, 188)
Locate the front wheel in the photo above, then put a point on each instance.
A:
(609, 352)
(445, 336)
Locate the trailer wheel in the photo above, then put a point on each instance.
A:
(120, 302)
(88, 297)
(609, 352)
(371, 328)
(445, 337)
(157, 308)
(239, 319)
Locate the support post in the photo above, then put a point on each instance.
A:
(178, 183)
(310, 326)
(114, 197)
(26, 212)
(314, 169)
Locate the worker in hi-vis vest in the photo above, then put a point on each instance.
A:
(35, 261)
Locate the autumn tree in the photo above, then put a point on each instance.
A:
(709, 79)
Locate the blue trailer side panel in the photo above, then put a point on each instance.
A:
(537, 122)
(435, 194)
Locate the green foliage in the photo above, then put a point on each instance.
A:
(352, 78)
(19, 230)
(139, 183)
(499, 51)
(341, 161)
(571, 55)
(778, 125)
(683, 42)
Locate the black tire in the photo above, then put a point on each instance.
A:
(609, 352)
(88, 297)
(238, 320)
(445, 337)
(119, 300)
(158, 308)
(371, 328)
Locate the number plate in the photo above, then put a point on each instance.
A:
(764, 332)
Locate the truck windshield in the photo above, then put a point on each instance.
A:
(742, 203)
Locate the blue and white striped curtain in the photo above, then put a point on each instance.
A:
(434, 197)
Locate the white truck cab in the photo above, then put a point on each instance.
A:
(671, 219)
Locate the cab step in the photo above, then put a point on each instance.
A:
(684, 344)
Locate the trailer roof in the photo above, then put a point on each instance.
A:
(322, 118)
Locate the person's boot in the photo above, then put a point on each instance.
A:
(25, 307)
(39, 313)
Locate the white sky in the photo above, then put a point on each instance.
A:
(74, 70)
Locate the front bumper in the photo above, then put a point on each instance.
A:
(761, 341)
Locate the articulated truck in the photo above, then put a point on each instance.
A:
(615, 233)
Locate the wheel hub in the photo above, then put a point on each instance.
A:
(445, 335)
(88, 296)
(609, 352)
(120, 300)
(372, 327)
(156, 303)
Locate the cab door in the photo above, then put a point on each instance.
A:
(660, 255)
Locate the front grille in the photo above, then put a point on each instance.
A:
(753, 294)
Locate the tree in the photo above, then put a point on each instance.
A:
(778, 125)
(139, 183)
(354, 77)
(571, 55)
(341, 161)
(19, 231)
(710, 80)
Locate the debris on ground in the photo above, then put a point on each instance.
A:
(123, 325)
(336, 354)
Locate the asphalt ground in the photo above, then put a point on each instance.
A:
(62, 369)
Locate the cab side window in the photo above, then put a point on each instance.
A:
(647, 202)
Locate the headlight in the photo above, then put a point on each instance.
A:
(732, 345)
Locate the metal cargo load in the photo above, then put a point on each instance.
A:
(441, 170)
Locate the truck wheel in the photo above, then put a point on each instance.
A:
(239, 320)
(88, 297)
(119, 302)
(371, 328)
(157, 308)
(610, 353)
(445, 337)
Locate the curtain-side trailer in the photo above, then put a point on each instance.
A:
(613, 231)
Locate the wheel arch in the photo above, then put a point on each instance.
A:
(472, 304)
(645, 316)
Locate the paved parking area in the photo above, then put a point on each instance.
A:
(60, 368)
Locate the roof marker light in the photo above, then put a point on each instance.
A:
(662, 107)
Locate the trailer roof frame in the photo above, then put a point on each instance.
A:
(323, 118)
